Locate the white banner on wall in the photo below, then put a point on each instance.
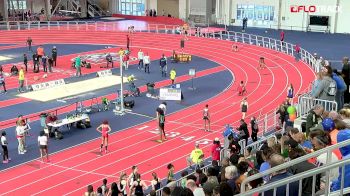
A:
(173, 94)
(46, 85)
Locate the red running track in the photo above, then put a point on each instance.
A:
(73, 169)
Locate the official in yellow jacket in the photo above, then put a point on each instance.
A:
(21, 80)
(172, 75)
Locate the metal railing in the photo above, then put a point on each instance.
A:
(300, 177)
(307, 103)
(328, 151)
(178, 182)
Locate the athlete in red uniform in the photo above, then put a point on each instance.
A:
(104, 128)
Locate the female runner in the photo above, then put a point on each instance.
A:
(104, 128)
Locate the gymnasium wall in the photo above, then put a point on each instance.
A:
(284, 18)
(169, 7)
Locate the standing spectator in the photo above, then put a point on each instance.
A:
(154, 13)
(146, 61)
(78, 66)
(126, 60)
(5, 152)
(196, 157)
(163, 65)
(290, 93)
(90, 191)
(121, 54)
(2, 81)
(255, 129)
(21, 80)
(206, 117)
(43, 141)
(54, 55)
(341, 88)
(170, 177)
(215, 150)
(44, 62)
(35, 63)
(40, 51)
(282, 38)
(122, 184)
(155, 182)
(346, 77)
(297, 52)
(244, 107)
(29, 43)
(138, 186)
(172, 75)
(150, 12)
(128, 42)
(25, 61)
(132, 176)
(140, 57)
(243, 131)
(20, 131)
(109, 60)
(50, 61)
(104, 185)
(316, 84)
(245, 21)
(327, 88)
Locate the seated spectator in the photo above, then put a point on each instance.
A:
(276, 160)
(257, 182)
(225, 162)
(345, 151)
(345, 115)
(266, 153)
(242, 168)
(303, 167)
(224, 190)
(321, 139)
(197, 191)
(14, 70)
(231, 175)
(166, 191)
(196, 157)
(313, 119)
(249, 156)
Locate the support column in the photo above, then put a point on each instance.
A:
(113, 6)
(84, 8)
(5, 11)
(48, 7)
(279, 14)
(336, 17)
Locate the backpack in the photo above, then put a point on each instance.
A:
(332, 88)
(341, 86)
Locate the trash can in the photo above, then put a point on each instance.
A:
(43, 119)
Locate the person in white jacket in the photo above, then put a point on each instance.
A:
(20, 134)
(146, 61)
(140, 57)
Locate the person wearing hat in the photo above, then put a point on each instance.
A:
(54, 55)
(215, 150)
(196, 157)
